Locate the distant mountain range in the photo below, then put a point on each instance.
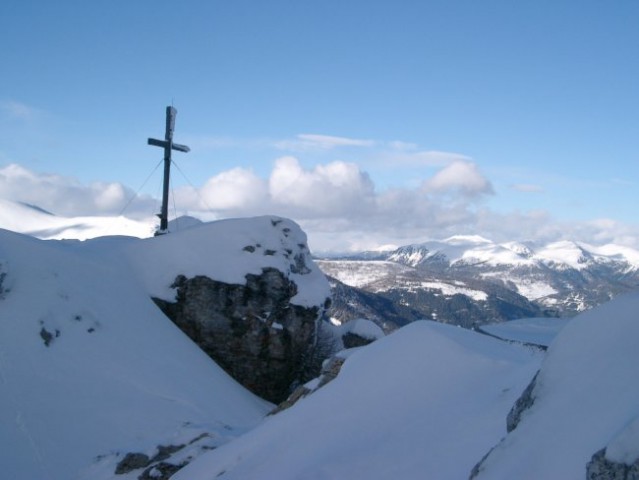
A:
(463, 280)
(469, 280)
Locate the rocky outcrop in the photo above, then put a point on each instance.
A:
(167, 459)
(523, 403)
(3, 276)
(253, 331)
(330, 369)
(601, 468)
(335, 344)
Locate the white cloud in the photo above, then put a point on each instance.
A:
(309, 142)
(337, 188)
(460, 176)
(336, 203)
(66, 196)
(236, 189)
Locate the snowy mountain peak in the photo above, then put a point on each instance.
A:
(566, 254)
(466, 240)
(519, 248)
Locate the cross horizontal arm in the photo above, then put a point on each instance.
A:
(165, 144)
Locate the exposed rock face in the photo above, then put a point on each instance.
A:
(3, 277)
(523, 403)
(330, 369)
(600, 468)
(352, 340)
(253, 331)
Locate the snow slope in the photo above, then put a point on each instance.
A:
(89, 366)
(538, 331)
(586, 398)
(34, 221)
(424, 402)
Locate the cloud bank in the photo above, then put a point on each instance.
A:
(337, 203)
(66, 196)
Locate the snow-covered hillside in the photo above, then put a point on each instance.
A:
(431, 400)
(90, 369)
(34, 221)
(471, 250)
(95, 380)
(507, 280)
(585, 399)
(427, 401)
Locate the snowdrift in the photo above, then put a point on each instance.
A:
(586, 398)
(424, 402)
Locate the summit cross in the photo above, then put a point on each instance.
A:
(168, 146)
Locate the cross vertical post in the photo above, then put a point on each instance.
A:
(168, 146)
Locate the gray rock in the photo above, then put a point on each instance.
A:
(600, 468)
(523, 403)
(3, 277)
(352, 340)
(132, 461)
(252, 331)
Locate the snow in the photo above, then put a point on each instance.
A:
(227, 250)
(361, 273)
(538, 331)
(533, 290)
(424, 402)
(116, 375)
(467, 239)
(448, 289)
(587, 397)
(473, 250)
(620, 252)
(493, 254)
(33, 221)
(90, 369)
(565, 253)
(363, 328)
(624, 448)
(88, 363)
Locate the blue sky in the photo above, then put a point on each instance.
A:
(494, 117)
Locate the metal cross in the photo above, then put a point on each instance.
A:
(168, 145)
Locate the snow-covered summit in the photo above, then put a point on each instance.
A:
(472, 250)
(226, 250)
(90, 367)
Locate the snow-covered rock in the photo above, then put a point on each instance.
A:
(585, 398)
(246, 291)
(359, 332)
(91, 369)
